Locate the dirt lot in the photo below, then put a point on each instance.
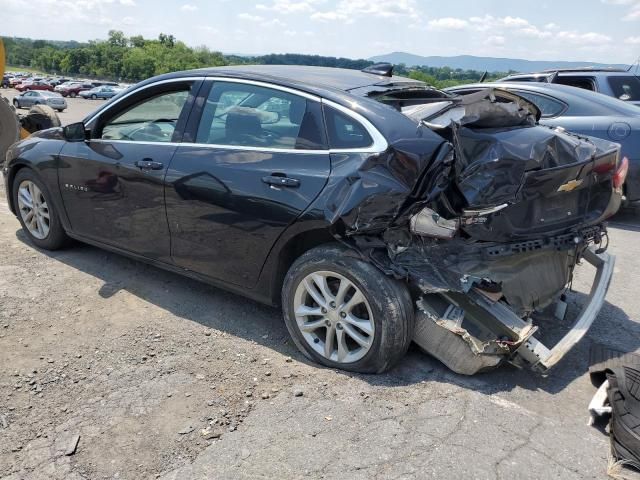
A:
(164, 377)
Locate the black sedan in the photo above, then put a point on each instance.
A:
(584, 112)
(346, 197)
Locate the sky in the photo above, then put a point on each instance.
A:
(605, 31)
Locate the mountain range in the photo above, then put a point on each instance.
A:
(491, 64)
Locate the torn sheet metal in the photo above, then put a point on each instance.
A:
(501, 211)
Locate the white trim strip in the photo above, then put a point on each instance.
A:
(379, 142)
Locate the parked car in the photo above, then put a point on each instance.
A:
(104, 83)
(34, 85)
(584, 112)
(32, 97)
(73, 89)
(5, 81)
(617, 83)
(99, 92)
(13, 82)
(357, 208)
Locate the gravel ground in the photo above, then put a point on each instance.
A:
(110, 368)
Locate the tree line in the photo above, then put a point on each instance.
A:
(135, 58)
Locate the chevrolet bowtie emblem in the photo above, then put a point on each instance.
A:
(569, 186)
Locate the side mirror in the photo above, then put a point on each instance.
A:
(75, 132)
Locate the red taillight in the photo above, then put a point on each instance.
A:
(621, 174)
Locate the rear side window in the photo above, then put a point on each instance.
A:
(625, 87)
(585, 83)
(548, 106)
(344, 131)
(248, 115)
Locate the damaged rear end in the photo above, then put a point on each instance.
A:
(486, 215)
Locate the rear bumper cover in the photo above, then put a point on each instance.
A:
(471, 333)
(533, 353)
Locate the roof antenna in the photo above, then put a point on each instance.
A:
(483, 77)
(384, 69)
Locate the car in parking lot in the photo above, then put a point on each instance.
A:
(584, 112)
(73, 89)
(34, 85)
(349, 198)
(104, 93)
(613, 82)
(33, 97)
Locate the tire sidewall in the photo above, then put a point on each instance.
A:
(373, 284)
(56, 237)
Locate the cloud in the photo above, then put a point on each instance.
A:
(348, 11)
(632, 40)
(187, 7)
(633, 13)
(250, 18)
(495, 40)
(288, 6)
(447, 23)
(589, 38)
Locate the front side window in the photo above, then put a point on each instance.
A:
(238, 114)
(152, 119)
(344, 131)
(548, 106)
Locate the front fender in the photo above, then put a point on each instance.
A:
(39, 152)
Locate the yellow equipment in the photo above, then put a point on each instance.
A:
(14, 127)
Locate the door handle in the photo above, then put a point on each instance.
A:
(280, 180)
(148, 164)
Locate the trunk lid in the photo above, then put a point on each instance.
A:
(513, 179)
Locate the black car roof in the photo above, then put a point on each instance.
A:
(312, 77)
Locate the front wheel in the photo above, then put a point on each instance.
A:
(36, 213)
(344, 313)
(94, 97)
(73, 94)
(16, 103)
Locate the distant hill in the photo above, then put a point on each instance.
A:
(491, 64)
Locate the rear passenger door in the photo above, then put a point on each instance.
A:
(253, 158)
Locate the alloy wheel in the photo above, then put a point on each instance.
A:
(34, 210)
(334, 317)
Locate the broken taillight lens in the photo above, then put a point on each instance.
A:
(621, 174)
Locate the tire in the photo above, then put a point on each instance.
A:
(16, 103)
(73, 94)
(94, 97)
(60, 110)
(386, 312)
(55, 237)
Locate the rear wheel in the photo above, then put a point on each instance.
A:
(36, 213)
(344, 313)
(73, 94)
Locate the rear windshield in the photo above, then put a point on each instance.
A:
(625, 87)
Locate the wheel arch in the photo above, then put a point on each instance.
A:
(11, 175)
(300, 239)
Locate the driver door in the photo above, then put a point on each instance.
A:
(113, 184)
